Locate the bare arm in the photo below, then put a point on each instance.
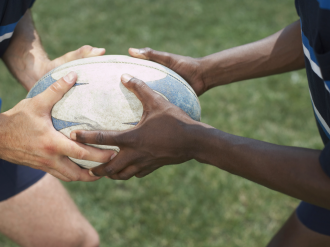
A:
(167, 135)
(26, 58)
(27, 136)
(278, 53)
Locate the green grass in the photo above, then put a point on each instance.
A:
(190, 204)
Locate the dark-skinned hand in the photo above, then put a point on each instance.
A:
(163, 136)
(189, 68)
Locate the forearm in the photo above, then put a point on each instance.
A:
(25, 55)
(278, 53)
(290, 170)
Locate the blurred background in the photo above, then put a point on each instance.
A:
(190, 204)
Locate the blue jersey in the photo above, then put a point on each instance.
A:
(315, 32)
(11, 11)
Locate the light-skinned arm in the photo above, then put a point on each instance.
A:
(27, 136)
(26, 58)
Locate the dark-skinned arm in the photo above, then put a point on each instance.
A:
(26, 58)
(278, 53)
(167, 135)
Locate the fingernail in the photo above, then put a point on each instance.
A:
(73, 136)
(91, 173)
(126, 77)
(69, 78)
(114, 155)
(136, 51)
(139, 53)
(97, 50)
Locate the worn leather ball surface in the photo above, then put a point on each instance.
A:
(99, 101)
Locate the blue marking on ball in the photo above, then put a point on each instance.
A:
(175, 91)
(43, 84)
(178, 94)
(80, 84)
(61, 124)
(133, 123)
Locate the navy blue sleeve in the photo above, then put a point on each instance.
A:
(325, 159)
(32, 3)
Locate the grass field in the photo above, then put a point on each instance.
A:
(188, 205)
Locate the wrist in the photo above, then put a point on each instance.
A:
(3, 135)
(215, 69)
(204, 141)
(214, 147)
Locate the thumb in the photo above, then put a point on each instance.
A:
(147, 53)
(56, 91)
(141, 90)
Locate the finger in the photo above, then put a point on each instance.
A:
(55, 92)
(52, 172)
(83, 52)
(120, 162)
(58, 175)
(86, 177)
(146, 172)
(141, 90)
(72, 171)
(128, 172)
(147, 53)
(113, 138)
(80, 151)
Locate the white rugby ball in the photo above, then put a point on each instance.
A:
(99, 101)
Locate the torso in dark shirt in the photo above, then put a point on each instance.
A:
(315, 31)
(11, 11)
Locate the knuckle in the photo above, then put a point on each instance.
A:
(85, 50)
(100, 137)
(56, 87)
(148, 51)
(168, 59)
(181, 61)
(109, 170)
(80, 154)
(50, 148)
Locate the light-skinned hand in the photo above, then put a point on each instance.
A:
(29, 138)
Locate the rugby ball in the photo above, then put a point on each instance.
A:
(99, 101)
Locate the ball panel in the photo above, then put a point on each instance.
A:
(41, 85)
(121, 105)
(179, 78)
(178, 95)
(61, 124)
(121, 110)
(85, 163)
